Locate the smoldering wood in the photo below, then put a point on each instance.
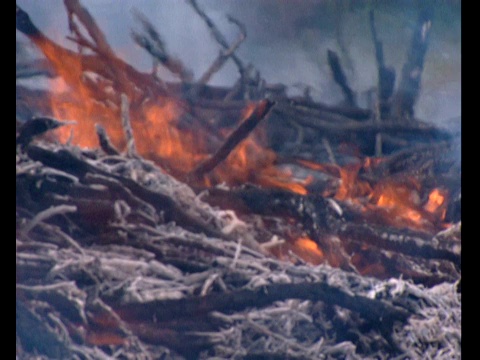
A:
(319, 217)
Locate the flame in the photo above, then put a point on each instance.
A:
(350, 188)
(310, 245)
(436, 203)
(161, 138)
(400, 202)
(156, 126)
(308, 250)
(393, 201)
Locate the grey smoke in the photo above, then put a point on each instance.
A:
(286, 41)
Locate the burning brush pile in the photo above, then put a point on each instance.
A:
(180, 220)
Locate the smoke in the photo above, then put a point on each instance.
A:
(287, 41)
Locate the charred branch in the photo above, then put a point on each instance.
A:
(386, 75)
(217, 35)
(259, 297)
(340, 78)
(35, 127)
(410, 83)
(334, 123)
(239, 134)
(104, 141)
(219, 62)
(155, 46)
(75, 165)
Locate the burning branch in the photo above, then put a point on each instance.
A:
(73, 64)
(239, 134)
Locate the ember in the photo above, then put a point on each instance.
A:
(184, 220)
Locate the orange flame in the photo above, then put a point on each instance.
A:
(308, 250)
(155, 125)
(396, 202)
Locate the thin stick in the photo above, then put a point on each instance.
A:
(217, 34)
(127, 126)
(221, 59)
(331, 155)
(238, 250)
(45, 214)
(239, 134)
(69, 240)
(104, 141)
(103, 48)
(155, 46)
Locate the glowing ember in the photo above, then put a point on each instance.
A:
(436, 203)
(396, 201)
(308, 250)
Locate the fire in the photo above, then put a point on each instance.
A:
(308, 250)
(400, 202)
(437, 200)
(156, 128)
(350, 188)
(393, 201)
(161, 138)
(156, 124)
(310, 245)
